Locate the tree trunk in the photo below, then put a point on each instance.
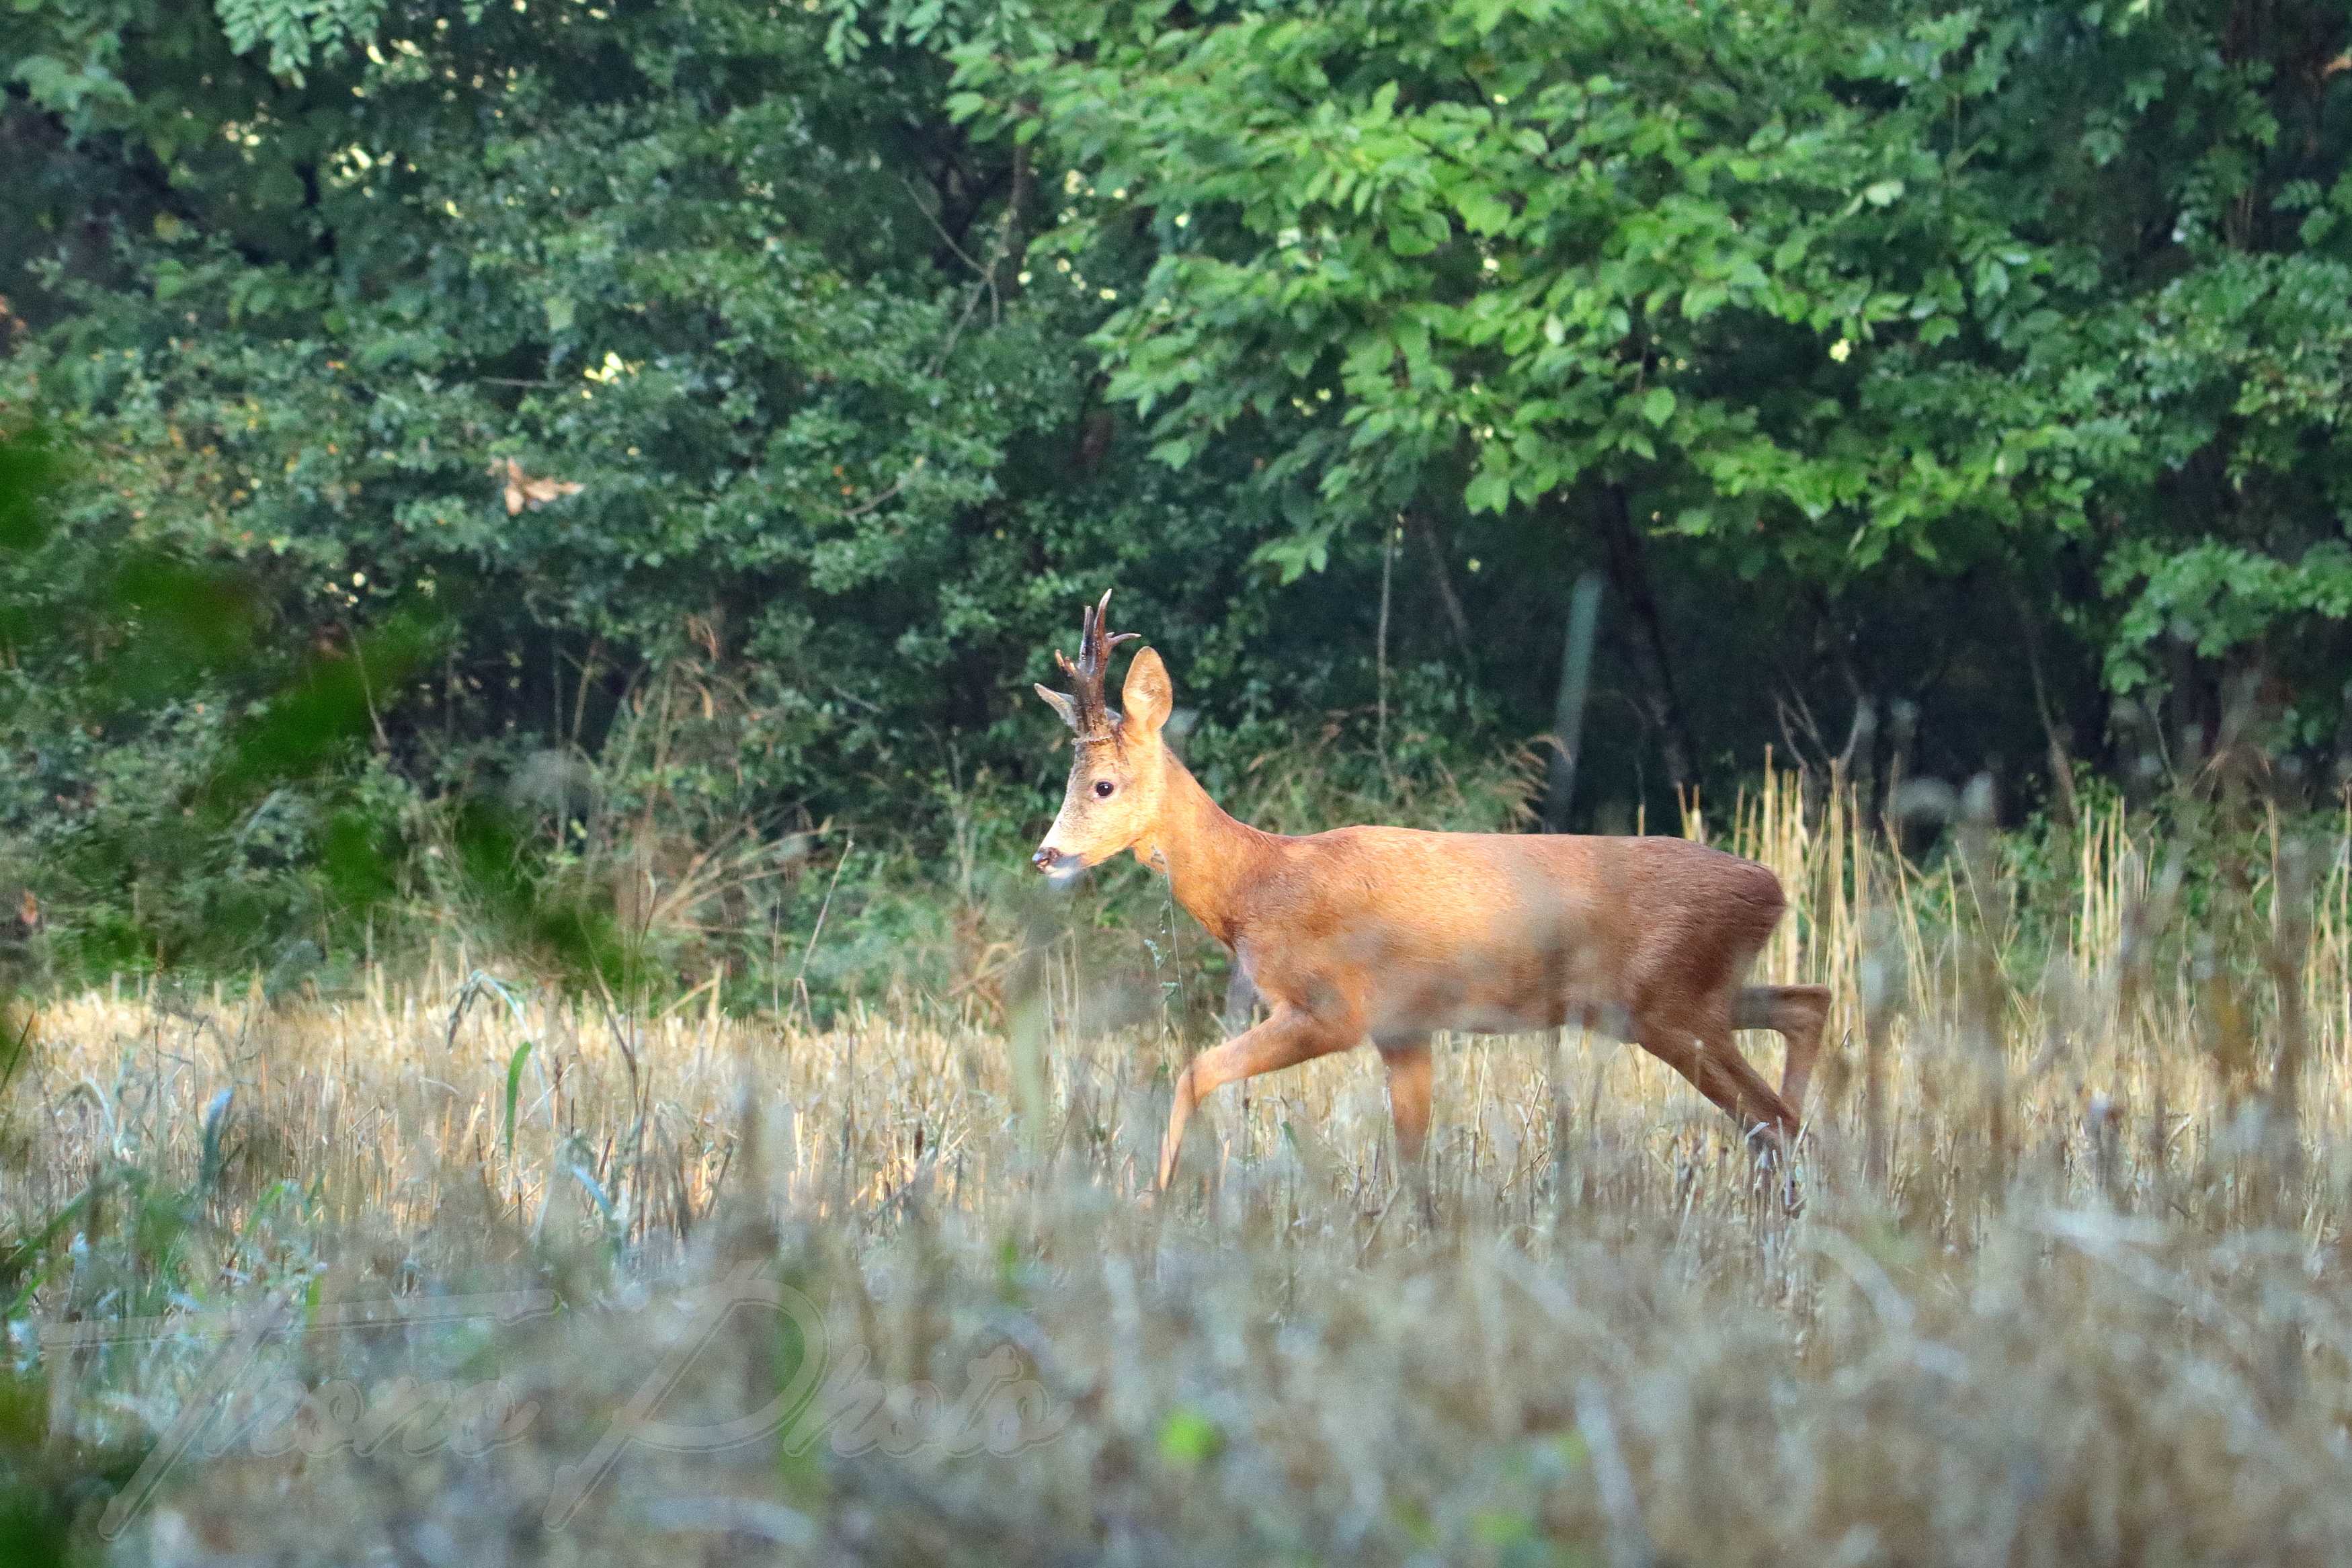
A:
(1646, 642)
(1567, 717)
(1441, 578)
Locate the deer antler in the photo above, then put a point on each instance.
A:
(1083, 707)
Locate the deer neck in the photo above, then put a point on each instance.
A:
(1211, 860)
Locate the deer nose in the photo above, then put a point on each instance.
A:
(1047, 857)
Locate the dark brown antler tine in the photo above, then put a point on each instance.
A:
(1100, 638)
(1095, 640)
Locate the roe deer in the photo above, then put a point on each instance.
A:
(1392, 934)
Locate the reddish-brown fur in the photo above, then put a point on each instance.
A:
(1389, 933)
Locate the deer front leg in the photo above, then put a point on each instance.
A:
(1408, 1067)
(1291, 1036)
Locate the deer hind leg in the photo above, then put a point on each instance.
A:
(1288, 1038)
(1796, 1013)
(1696, 1043)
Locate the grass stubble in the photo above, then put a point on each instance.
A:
(2065, 1285)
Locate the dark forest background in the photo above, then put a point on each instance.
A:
(648, 450)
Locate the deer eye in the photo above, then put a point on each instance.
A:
(1102, 789)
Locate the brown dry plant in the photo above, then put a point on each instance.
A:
(2063, 1284)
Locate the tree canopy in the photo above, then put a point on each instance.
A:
(1977, 368)
(2058, 293)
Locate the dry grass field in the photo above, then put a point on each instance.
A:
(454, 1272)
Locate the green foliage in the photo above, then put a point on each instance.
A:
(1506, 248)
(652, 335)
(444, 382)
(2220, 598)
(296, 31)
(2011, 289)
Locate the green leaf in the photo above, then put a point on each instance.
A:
(1295, 555)
(1482, 213)
(1189, 1438)
(514, 1089)
(1489, 490)
(1702, 300)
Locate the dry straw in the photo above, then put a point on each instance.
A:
(2062, 1288)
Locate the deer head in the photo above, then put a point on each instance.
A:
(1118, 772)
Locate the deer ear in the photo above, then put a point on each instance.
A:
(1060, 705)
(1146, 697)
